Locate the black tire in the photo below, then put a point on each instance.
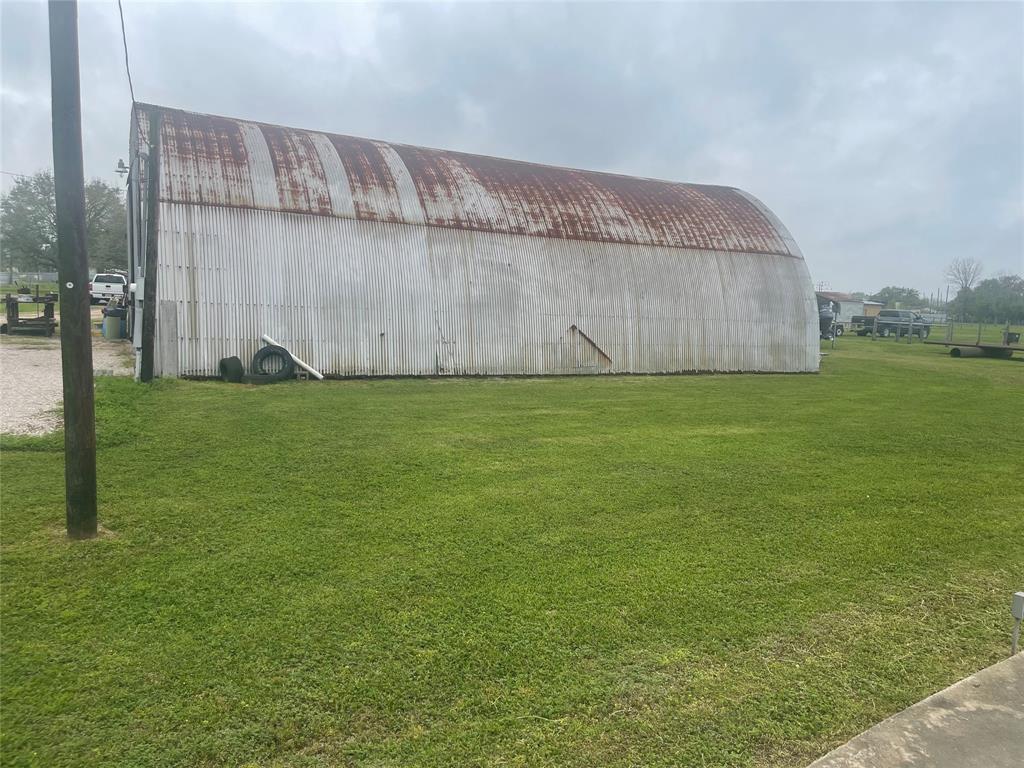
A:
(884, 333)
(263, 363)
(231, 369)
(925, 333)
(839, 330)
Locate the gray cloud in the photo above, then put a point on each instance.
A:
(889, 137)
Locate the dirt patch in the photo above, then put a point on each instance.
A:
(31, 387)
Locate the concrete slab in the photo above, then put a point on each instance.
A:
(976, 723)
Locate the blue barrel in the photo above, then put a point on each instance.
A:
(114, 327)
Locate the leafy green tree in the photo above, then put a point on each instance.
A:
(892, 295)
(28, 225)
(996, 300)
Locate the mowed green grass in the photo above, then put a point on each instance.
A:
(729, 570)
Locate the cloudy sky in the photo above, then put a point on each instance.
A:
(888, 137)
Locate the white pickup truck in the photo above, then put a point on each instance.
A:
(106, 286)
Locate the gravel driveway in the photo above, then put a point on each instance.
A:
(31, 388)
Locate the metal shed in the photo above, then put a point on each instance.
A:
(369, 258)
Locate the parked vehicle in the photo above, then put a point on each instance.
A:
(894, 322)
(106, 286)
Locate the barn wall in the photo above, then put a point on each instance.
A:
(364, 298)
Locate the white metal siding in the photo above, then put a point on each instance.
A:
(365, 298)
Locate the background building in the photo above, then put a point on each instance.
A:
(872, 308)
(375, 259)
(843, 304)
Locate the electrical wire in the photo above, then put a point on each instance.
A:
(124, 40)
(128, 71)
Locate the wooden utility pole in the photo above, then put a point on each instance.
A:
(149, 269)
(72, 269)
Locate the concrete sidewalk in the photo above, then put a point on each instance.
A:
(976, 723)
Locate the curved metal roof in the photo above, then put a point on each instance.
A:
(219, 161)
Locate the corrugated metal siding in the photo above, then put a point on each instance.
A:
(358, 298)
(368, 258)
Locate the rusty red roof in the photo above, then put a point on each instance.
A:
(212, 160)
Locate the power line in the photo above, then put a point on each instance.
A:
(128, 71)
(12, 173)
(124, 40)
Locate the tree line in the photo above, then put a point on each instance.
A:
(28, 226)
(997, 299)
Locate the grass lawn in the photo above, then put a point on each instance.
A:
(658, 571)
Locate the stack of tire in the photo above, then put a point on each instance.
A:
(270, 365)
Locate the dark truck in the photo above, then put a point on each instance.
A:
(893, 322)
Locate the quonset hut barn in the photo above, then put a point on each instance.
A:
(367, 258)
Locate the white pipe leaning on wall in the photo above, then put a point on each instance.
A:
(313, 371)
